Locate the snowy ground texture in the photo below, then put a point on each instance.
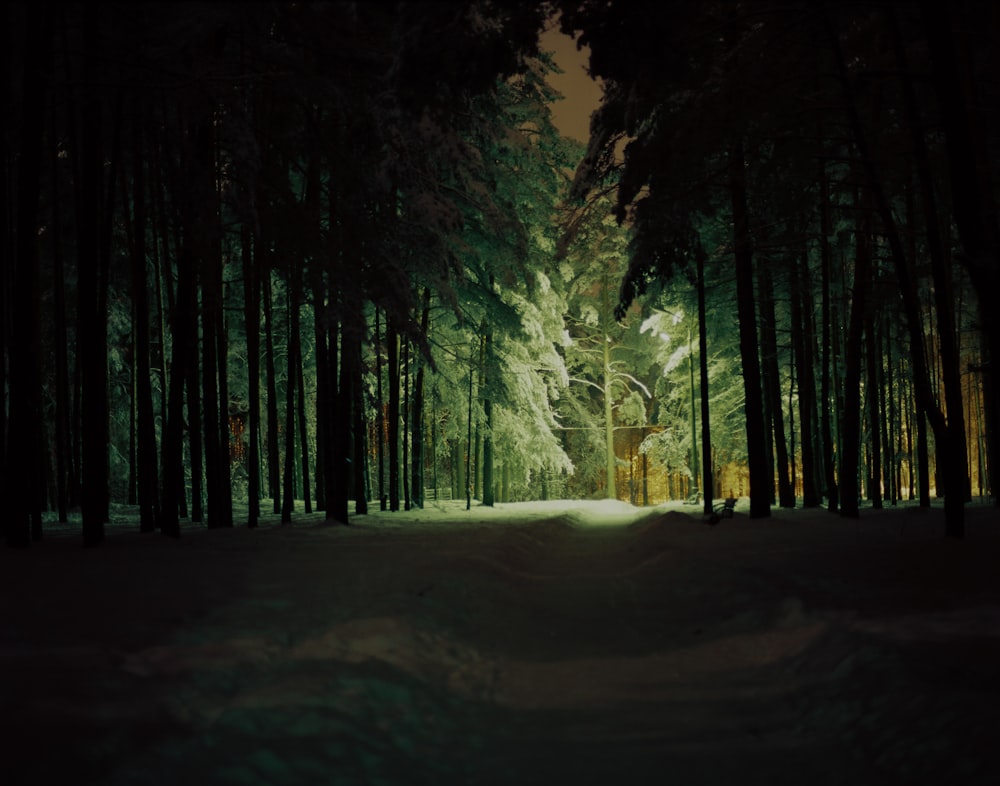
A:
(557, 643)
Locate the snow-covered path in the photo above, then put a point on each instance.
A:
(558, 643)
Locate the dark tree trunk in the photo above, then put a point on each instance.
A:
(361, 485)
(182, 324)
(352, 333)
(273, 455)
(336, 489)
(379, 413)
(25, 430)
(850, 437)
(205, 230)
(801, 341)
(303, 430)
(706, 431)
(405, 403)
(64, 461)
(826, 350)
(147, 470)
(288, 505)
(92, 341)
(251, 320)
(772, 387)
(392, 340)
(320, 331)
(190, 371)
(418, 411)
(760, 472)
(873, 361)
(487, 497)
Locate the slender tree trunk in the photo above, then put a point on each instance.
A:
(488, 491)
(405, 403)
(320, 331)
(851, 433)
(352, 332)
(469, 445)
(273, 450)
(182, 359)
(392, 340)
(801, 341)
(25, 429)
(760, 472)
(251, 321)
(303, 429)
(418, 410)
(706, 432)
(379, 413)
(92, 341)
(826, 360)
(190, 372)
(771, 377)
(288, 505)
(64, 462)
(873, 360)
(361, 484)
(147, 470)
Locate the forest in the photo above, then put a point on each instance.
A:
(326, 256)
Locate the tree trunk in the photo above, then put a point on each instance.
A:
(392, 340)
(760, 472)
(147, 471)
(418, 410)
(826, 349)
(488, 492)
(873, 361)
(706, 431)
(288, 503)
(361, 482)
(801, 342)
(25, 429)
(64, 462)
(379, 413)
(405, 403)
(251, 321)
(771, 376)
(303, 430)
(850, 437)
(273, 449)
(92, 335)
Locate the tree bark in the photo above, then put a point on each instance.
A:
(706, 431)
(760, 498)
(147, 471)
(25, 430)
(273, 449)
(417, 432)
(251, 321)
(826, 349)
(771, 376)
(801, 341)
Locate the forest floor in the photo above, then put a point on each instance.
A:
(550, 643)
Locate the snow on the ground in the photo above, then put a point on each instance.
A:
(543, 643)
